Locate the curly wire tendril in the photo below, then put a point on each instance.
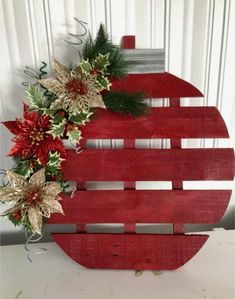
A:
(33, 74)
(42, 73)
(3, 182)
(78, 149)
(78, 37)
(73, 192)
(29, 240)
(42, 70)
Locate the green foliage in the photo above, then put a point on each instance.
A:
(54, 163)
(58, 123)
(23, 167)
(74, 135)
(85, 66)
(102, 44)
(80, 118)
(39, 100)
(24, 222)
(126, 103)
(36, 97)
(14, 220)
(63, 184)
(101, 62)
(103, 82)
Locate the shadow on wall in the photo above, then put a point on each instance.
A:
(19, 238)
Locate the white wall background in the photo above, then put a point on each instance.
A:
(198, 37)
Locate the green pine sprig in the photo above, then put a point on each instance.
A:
(102, 44)
(126, 103)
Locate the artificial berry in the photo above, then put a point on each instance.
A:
(76, 86)
(17, 215)
(61, 113)
(95, 71)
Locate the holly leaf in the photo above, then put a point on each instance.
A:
(80, 118)
(101, 62)
(58, 130)
(74, 135)
(54, 163)
(103, 82)
(35, 96)
(24, 170)
(23, 167)
(58, 123)
(57, 118)
(85, 66)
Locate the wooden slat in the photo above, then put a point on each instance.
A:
(145, 60)
(130, 251)
(178, 228)
(149, 165)
(128, 42)
(167, 122)
(129, 185)
(158, 85)
(143, 206)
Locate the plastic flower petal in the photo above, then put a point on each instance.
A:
(33, 138)
(76, 91)
(33, 199)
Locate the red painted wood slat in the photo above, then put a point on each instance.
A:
(129, 185)
(167, 122)
(178, 227)
(149, 165)
(157, 85)
(143, 206)
(128, 42)
(130, 251)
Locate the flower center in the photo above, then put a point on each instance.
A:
(34, 196)
(37, 135)
(76, 86)
(17, 215)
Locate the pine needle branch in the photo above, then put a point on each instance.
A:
(103, 45)
(126, 103)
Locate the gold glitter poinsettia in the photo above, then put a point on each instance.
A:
(77, 91)
(33, 199)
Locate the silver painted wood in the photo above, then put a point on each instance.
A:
(146, 60)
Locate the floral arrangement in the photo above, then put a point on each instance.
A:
(58, 107)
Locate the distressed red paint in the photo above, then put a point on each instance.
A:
(130, 206)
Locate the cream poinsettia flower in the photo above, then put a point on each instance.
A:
(35, 198)
(76, 91)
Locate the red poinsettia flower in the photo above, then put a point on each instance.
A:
(32, 137)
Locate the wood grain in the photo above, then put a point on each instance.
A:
(157, 85)
(128, 42)
(149, 165)
(130, 251)
(143, 206)
(167, 122)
